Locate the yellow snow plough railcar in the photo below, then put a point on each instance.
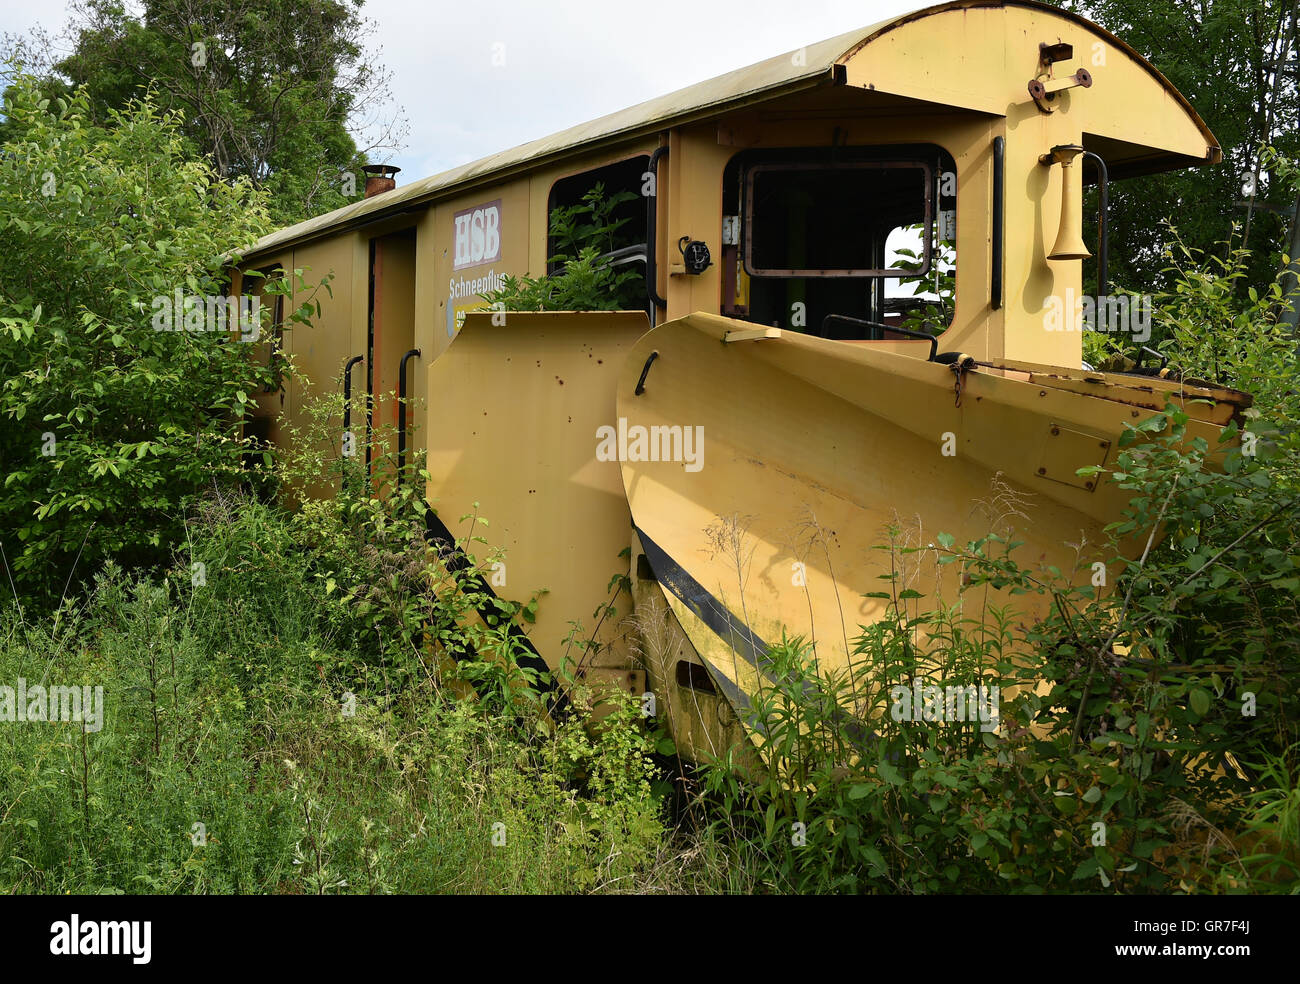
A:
(769, 395)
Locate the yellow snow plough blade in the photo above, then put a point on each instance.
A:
(764, 467)
(513, 413)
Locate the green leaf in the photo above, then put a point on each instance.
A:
(1200, 701)
(890, 774)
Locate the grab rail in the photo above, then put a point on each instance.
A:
(401, 414)
(347, 398)
(932, 339)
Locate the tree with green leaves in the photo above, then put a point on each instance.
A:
(1237, 62)
(119, 407)
(275, 91)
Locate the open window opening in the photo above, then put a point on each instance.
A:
(603, 210)
(841, 242)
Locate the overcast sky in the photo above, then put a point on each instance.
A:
(565, 61)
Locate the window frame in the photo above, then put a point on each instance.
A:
(747, 219)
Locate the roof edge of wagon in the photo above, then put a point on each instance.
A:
(758, 82)
(628, 123)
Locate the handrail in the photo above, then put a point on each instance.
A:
(273, 349)
(628, 254)
(347, 390)
(401, 414)
(1103, 234)
(347, 399)
(1146, 350)
(926, 336)
(999, 218)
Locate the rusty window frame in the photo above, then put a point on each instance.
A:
(747, 220)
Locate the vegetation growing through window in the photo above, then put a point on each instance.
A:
(934, 313)
(116, 418)
(584, 234)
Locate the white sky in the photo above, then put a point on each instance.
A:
(566, 61)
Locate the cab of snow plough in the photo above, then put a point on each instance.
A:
(862, 268)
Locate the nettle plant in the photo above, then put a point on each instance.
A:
(584, 280)
(112, 428)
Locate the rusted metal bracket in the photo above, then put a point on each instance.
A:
(1043, 87)
(1044, 92)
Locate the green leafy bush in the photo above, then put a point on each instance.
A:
(932, 316)
(111, 427)
(266, 732)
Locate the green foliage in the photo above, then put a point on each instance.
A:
(583, 234)
(1126, 721)
(322, 748)
(384, 582)
(111, 428)
(1219, 326)
(931, 316)
(1234, 62)
(268, 97)
(287, 709)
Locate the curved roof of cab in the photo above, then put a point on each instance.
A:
(822, 64)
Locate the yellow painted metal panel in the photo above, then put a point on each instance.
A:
(982, 57)
(319, 351)
(459, 288)
(515, 409)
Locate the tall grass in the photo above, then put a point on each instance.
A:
(258, 737)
